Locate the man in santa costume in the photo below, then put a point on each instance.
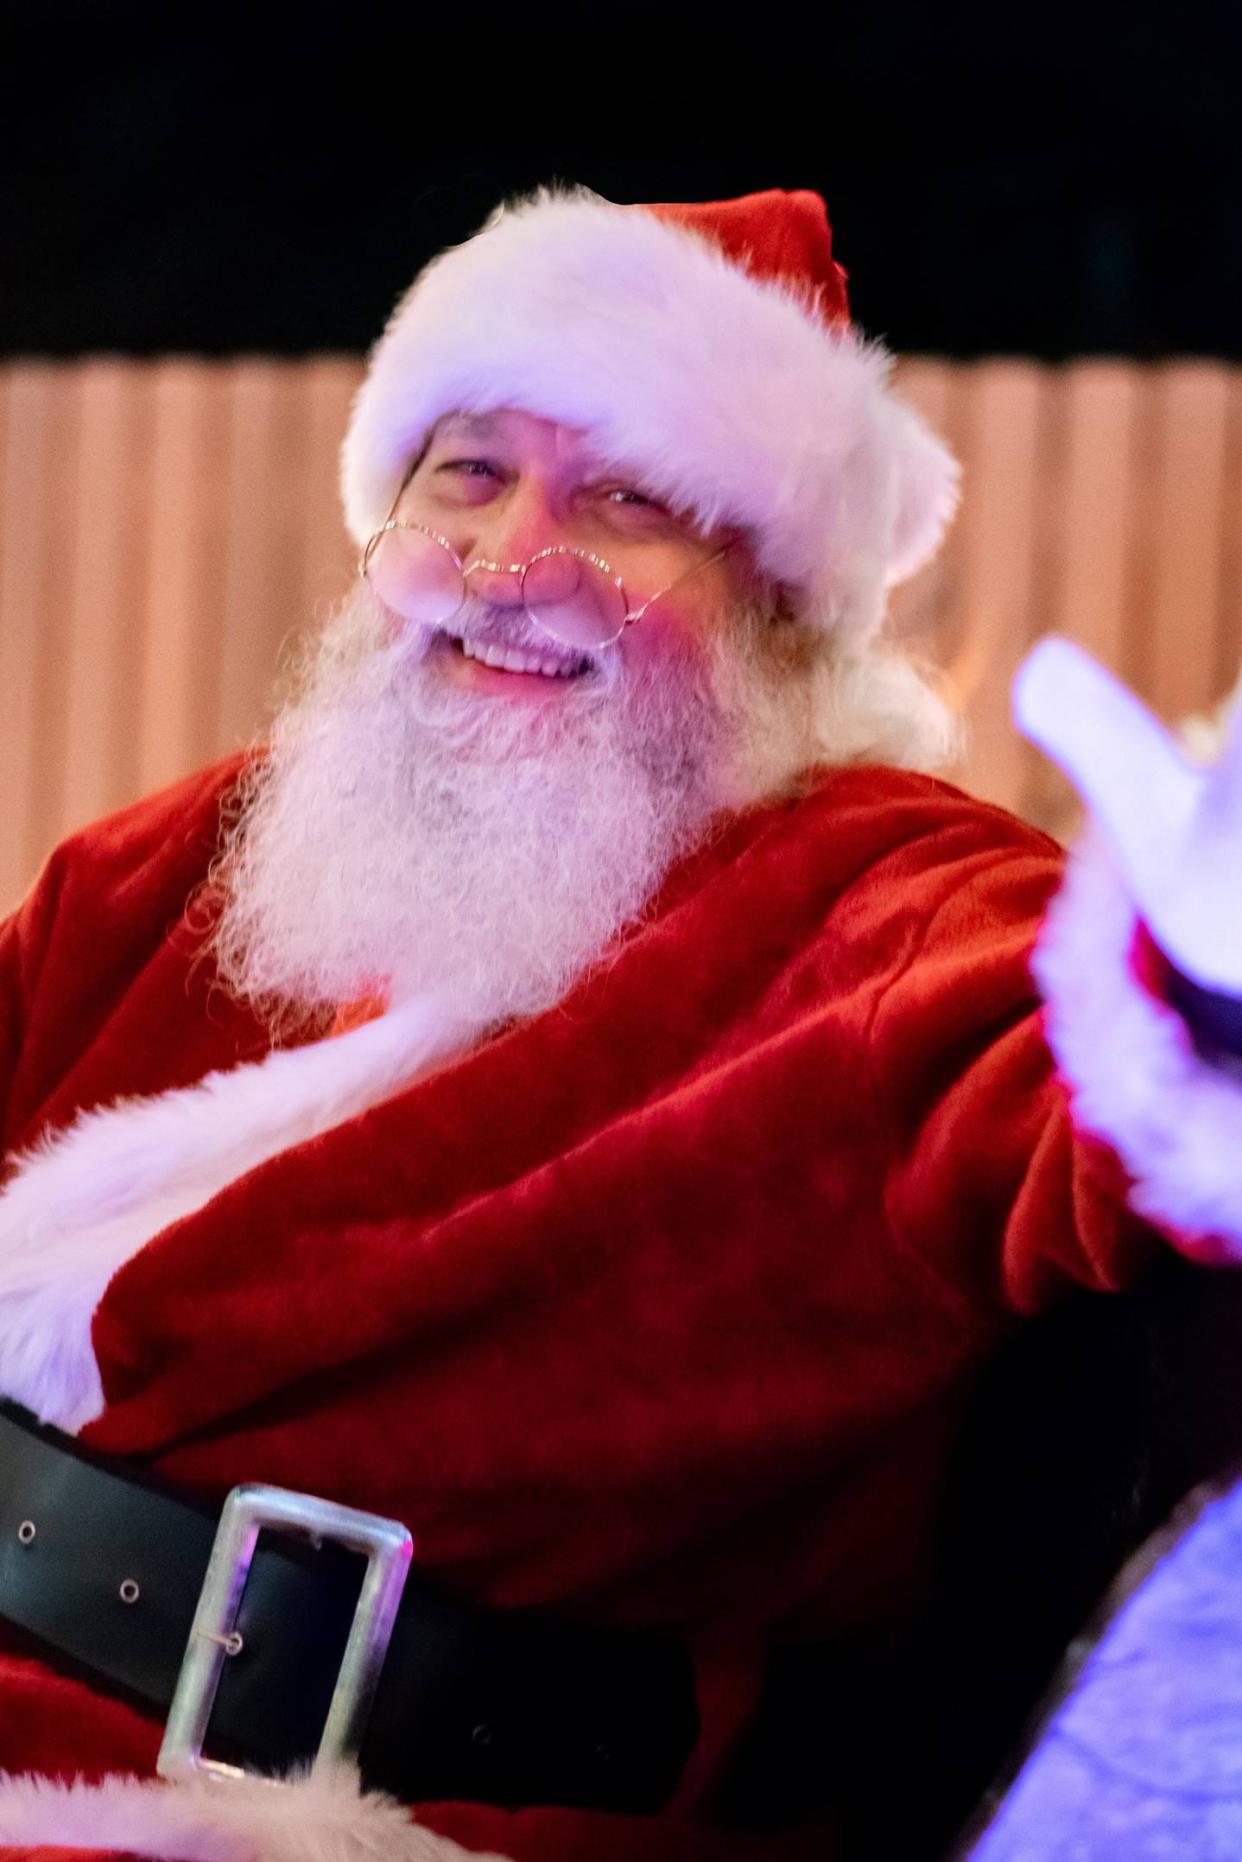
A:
(577, 1098)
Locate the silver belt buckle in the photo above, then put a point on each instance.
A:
(388, 1548)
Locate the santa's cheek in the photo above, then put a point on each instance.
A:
(664, 643)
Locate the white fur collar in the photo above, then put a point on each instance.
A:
(87, 1199)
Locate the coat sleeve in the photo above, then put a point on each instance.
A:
(10, 1014)
(1036, 1144)
(102, 906)
(23, 941)
(62, 955)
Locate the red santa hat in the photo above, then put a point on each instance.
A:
(707, 347)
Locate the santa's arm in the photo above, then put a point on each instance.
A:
(57, 910)
(1140, 959)
(10, 1020)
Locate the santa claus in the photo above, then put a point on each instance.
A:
(551, 1134)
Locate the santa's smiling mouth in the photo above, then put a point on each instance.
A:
(546, 662)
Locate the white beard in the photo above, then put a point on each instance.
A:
(407, 836)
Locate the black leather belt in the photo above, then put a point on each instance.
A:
(105, 1570)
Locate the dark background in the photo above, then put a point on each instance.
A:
(270, 177)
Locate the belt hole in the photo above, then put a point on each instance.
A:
(232, 1644)
(128, 1591)
(26, 1531)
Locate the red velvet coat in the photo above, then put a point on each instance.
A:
(653, 1310)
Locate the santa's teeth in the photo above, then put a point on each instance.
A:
(510, 659)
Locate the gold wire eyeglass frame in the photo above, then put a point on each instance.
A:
(628, 618)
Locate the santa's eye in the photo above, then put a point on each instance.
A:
(468, 468)
(627, 500)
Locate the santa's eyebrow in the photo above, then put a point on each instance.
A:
(467, 427)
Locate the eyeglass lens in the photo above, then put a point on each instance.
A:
(416, 577)
(566, 596)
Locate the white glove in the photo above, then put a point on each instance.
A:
(1175, 828)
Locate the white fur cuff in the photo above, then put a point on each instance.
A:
(251, 1820)
(1134, 1075)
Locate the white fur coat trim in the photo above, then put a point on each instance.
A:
(727, 394)
(1134, 1075)
(86, 1199)
(321, 1819)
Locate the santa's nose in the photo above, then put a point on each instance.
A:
(510, 534)
(495, 581)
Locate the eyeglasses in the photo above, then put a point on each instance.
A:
(570, 595)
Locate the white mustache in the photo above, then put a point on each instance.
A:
(482, 625)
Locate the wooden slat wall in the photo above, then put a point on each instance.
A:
(1100, 500)
(166, 529)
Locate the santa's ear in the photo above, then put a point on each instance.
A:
(925, 489)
